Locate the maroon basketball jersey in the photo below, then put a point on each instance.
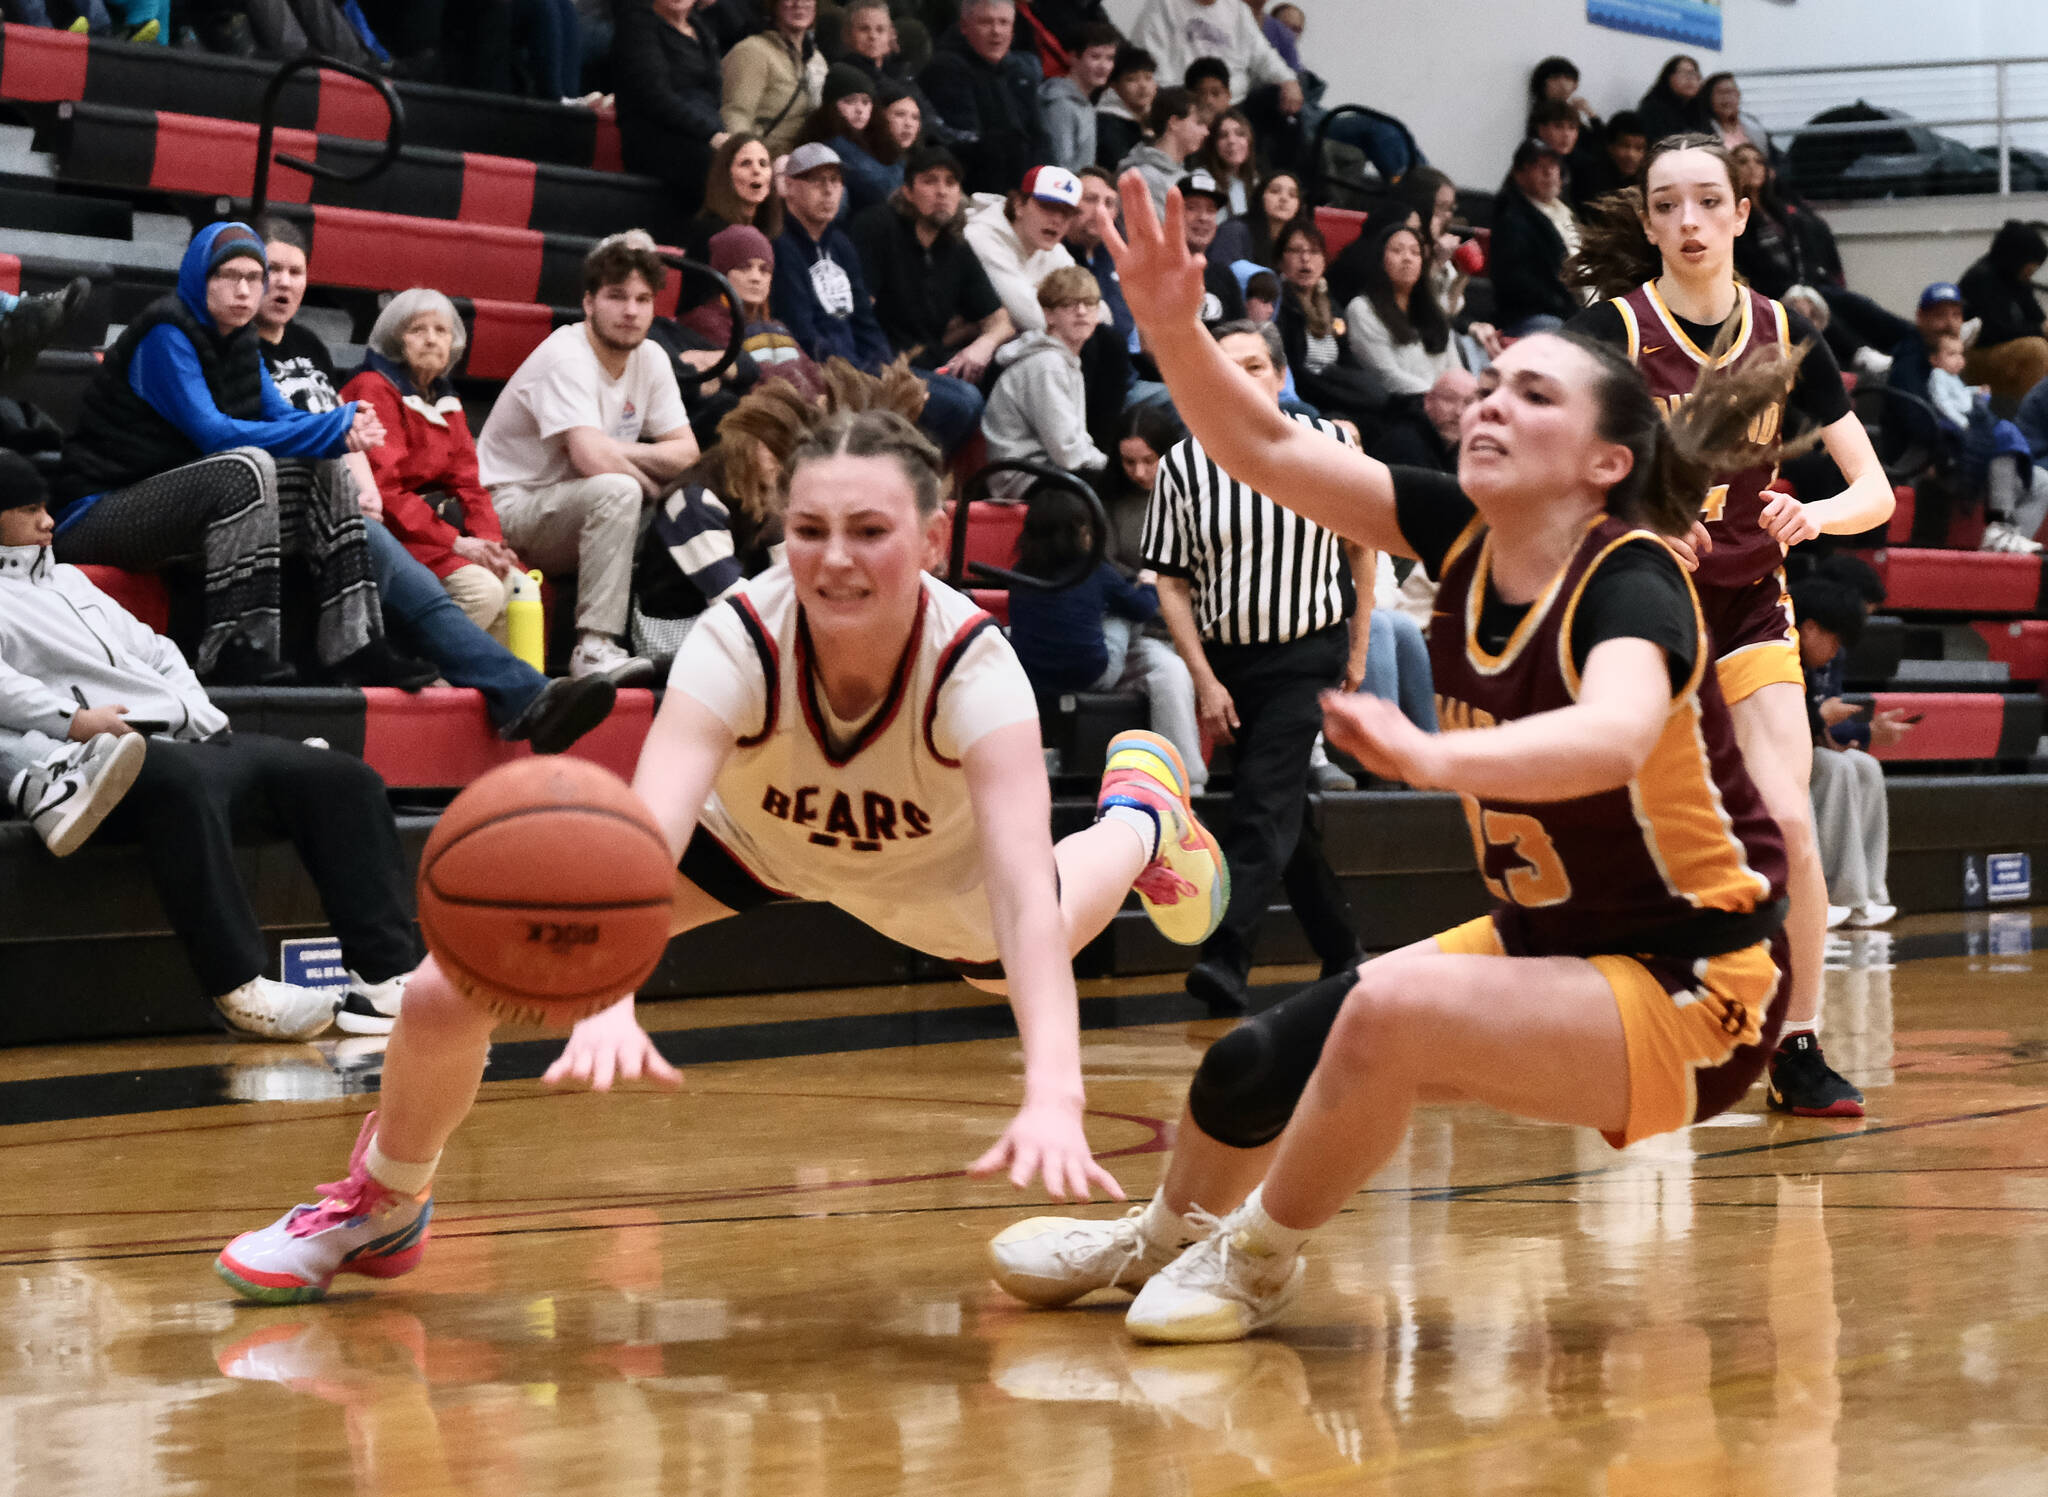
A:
(1671, 363)
(1689, 833)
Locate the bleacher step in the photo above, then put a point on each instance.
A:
(1950, 675)
(147, 253)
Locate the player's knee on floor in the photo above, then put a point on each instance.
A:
(1247, 1086)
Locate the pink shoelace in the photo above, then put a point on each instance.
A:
(1162, 885)
(341, 1201)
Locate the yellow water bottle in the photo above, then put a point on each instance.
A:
(526, 630)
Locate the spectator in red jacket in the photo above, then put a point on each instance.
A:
(426, 469)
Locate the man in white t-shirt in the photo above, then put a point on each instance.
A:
(589, 427)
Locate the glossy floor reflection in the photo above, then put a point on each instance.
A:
(770, 1284)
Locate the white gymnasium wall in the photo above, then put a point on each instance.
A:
(1457, 70)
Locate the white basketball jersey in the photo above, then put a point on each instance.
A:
(877, 820)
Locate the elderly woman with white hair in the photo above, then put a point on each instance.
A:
(426, 470)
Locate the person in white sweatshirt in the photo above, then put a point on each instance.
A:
(75, 666)
(1017, 239)
(1176, 32)
(1038, 412)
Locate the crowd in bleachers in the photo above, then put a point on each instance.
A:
(909, 207)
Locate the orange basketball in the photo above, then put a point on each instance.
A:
(544, 892)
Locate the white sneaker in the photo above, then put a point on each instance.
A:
(268, 1009)
(1221, 1289)
(1869, 361)
(1970, 331)
(599, 655)
(1054, 1260)
(2000, 536)
(68, 795)
(1873, 914)
(1838, 914)
(370, 1007)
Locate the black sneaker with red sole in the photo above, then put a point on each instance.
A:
(1805, 1085)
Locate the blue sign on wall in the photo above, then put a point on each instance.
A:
(313, 962)
(2008, 876)
(1691, 23)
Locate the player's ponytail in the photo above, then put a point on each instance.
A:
(1722, 428)
(1615, 256)
(760, 436)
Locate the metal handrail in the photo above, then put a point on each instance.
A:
(2003, 121)
(735, 343)
(394, 131)
(1918, 66)
(959, 569)
(1312, 187)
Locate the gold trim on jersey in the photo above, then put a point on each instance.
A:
(1473, 528)
(1685, 825)
(1628, 321)
(1684, 341)
(1475, 602)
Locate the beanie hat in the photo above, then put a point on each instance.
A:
(21, 483)
(735, 246)
(842, 79)
(235, 241)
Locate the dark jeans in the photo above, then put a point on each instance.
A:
(952, 410)
(418, 610)
(191, 800)
(1272, 840)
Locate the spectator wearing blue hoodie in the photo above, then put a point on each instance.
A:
(185, 448)
(820, 294)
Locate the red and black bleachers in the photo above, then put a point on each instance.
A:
(40, 66)
(144, 150)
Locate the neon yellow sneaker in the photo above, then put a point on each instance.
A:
(1186, 886)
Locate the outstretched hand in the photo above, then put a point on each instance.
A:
(1160, 276)
(609, 1044)
(1046, 1138)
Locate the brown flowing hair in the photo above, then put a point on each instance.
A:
(1615, 255)
(1722, 427)
(775, 417)
(721, 200)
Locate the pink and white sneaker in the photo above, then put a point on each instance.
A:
(359, 1226)
(1186, 886)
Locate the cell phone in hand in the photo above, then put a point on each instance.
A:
(148, 725)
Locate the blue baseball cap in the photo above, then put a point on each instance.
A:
(1939, 292)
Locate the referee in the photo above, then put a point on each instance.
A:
(1258, 604)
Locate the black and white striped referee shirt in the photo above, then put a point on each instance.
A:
(1258, 574)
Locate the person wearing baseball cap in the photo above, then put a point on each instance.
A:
(1017, 239)
(1534, 233)
(932, 296)
(821, 292)
(1938, 315)
(1211, 233)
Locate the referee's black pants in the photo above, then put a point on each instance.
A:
(192, 798)
(1272, 839)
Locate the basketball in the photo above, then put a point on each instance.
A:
(544, 892)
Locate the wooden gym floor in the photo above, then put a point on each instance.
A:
(771, 1283)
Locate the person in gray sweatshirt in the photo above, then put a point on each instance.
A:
(1067, 103)
(1038, 412)
(75, 667)
(1177, 133)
